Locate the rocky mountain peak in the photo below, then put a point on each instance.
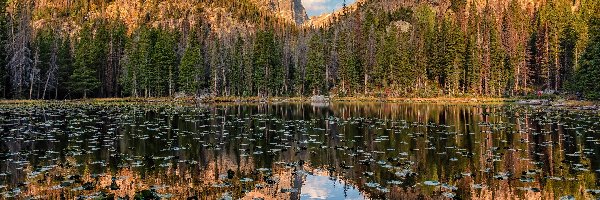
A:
(292, 10)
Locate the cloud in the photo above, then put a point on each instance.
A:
(318, 7)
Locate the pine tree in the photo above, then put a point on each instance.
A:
(498, 68)
(472, 62)
(350, 66)
(276, 72)
(315, 67)
(387, 60)
(449, 55)
(189, 71)
(588, 76)
(424, 39)
(268, 72)
(380, 70)
(405, 74)
(216, 65)
(164, 60)
(505, 49)
(115, 49)
(103, 71)
(260, 64)
(237, 67)
(65, 69)
(84, 80)
(47, 51)
(568, 51)
(137, 69)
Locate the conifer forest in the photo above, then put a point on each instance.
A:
(69, 49)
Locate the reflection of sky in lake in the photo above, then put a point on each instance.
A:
(321, 187)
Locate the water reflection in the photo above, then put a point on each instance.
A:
(298, 151)
(324, 187)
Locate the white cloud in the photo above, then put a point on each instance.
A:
(317, 7)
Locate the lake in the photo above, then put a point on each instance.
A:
(298, 151)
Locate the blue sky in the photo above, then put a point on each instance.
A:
(317, 7)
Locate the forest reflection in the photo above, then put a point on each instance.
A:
(283, 151)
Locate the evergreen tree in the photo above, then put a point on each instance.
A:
(65, 69)
(216, 65)
(189, 71)
(381, 68)
(588, 76)
(137, 71)
(387, 60)
(84, 80)
(423, 51)
(471, 64)
(47, 50)
(164, 60)
(315, 67)
(268, 72)
(115, 45)
(449, 55)
(237, 67)
(103, 71)
(424, 30)
(261, 63)
(404, 73)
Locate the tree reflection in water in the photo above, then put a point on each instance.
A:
(297, 151)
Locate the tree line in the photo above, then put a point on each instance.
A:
(411, 51)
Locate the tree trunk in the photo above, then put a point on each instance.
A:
(31, 85)
(170, 82)
(366, 82)
(134, 89)
(556, 64)
(45, 87)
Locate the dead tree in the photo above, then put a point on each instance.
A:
(20, 63)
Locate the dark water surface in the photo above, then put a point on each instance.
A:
(298, 151)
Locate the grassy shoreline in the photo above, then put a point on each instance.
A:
(461, 100)
(264, 100)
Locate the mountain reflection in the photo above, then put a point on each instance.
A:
(297, 151)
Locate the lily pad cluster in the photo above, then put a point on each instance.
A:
(232, 151)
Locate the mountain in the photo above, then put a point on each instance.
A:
(327, 19)
(440, 6)
(222, 15)
(292, 10)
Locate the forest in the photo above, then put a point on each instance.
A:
(376, 48)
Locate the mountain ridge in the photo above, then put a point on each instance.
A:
(292, 10)
(242, 14)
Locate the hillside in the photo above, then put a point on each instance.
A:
(439, 6)
(291, 10)
(381, 48)
(224, 16)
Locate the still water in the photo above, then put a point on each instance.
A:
(298, 151)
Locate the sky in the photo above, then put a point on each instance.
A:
(318, 7)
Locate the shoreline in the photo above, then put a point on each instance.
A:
(558, 103)
(461, 100)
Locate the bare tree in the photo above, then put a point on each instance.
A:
(20, 62)
(51, 80)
